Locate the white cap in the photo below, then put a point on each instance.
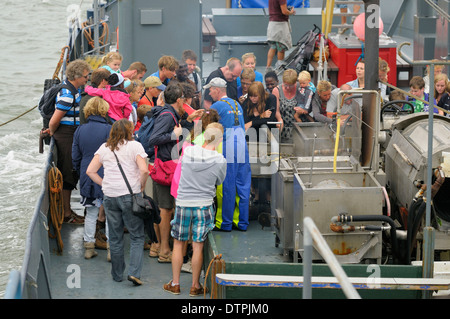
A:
(120, 79)
(216, 82)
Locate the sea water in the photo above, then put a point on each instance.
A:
(33, 34)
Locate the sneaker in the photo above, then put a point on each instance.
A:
(187, 267)
(194, 292)
(269, 69)
(74, 219)
(172, 289)
(135, 281)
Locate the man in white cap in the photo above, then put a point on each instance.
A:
(232, 213)
(153, 87)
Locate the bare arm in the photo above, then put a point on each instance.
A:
(143, 171)
(207, 104)
(278, 113)
(55, 121)
(285, 11)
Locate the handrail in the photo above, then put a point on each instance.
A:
(438, 10)
(14, 287)
(313, 235)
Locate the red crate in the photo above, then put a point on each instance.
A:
(345, 59)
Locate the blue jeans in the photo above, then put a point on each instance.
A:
(118, 214)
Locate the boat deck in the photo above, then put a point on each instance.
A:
(256, 245)
(95, 281)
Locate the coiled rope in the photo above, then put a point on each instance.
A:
(103, 38)
(55, 182)
(218, 267)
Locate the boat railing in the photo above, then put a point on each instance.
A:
(14, 286)
(32, 281)
(313, 235)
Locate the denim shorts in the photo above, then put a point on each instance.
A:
(198, 220)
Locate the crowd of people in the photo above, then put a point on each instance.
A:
(203, 127)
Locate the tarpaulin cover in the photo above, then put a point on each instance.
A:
(264, 3)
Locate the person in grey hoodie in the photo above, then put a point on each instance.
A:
(202, 169)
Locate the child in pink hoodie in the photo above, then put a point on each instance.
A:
(118, 99)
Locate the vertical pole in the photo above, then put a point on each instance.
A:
(428, 255)
(96, 26)
(307, 263)
(371, 53)
(428, 231)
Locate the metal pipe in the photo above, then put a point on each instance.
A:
(96, 25)
(307, 264)
(313, 235)
(344, 218)
(371, 126)
(312, 159)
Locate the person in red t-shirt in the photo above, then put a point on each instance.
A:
(278, 30)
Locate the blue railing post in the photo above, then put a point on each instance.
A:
(13, 288)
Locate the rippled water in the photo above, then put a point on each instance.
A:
(33, 34)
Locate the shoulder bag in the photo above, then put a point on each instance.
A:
(162, 172)
(142, 206)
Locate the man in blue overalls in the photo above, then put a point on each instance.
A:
(238, 178)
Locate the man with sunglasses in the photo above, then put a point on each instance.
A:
(62, 126)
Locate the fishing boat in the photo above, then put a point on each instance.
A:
(337, 225)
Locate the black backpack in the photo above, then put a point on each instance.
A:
(47, 102)
(145, 131)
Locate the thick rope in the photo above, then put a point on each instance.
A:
(218, 267)
(60, 63)
(55, 182)
(103, 38)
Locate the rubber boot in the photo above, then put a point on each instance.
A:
(90, 251)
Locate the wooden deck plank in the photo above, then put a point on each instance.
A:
(332, 282)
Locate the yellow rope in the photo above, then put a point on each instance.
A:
(19, 116)
(55, 76)
(55, 182)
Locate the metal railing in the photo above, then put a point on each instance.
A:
(14, 286)
(312, 236)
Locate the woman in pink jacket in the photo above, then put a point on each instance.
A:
(118, 99)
